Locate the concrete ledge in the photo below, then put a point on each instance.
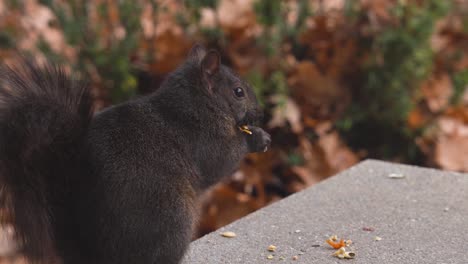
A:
(421, 218)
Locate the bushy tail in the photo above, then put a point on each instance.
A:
(44, 116)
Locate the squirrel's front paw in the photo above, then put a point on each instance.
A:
(259, 140)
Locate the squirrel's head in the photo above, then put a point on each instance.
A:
(230, 93)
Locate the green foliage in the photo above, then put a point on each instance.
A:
(268, 11)
(401, 57)
(197, 4)
(194, 7)
(210, 35)
(272, 14)
(352, 9)
(277, 31)
(295, 159)
(108, 55)
(6, 40)
(265, 86)
(13, 3)
(385, 88)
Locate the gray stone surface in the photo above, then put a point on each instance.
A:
(422, 218)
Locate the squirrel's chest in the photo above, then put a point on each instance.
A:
(218, 158)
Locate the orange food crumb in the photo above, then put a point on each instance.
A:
(336, 245)
(245, 129)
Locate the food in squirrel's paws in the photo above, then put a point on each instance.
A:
(245, 129)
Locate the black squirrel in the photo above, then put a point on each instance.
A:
(120, 186)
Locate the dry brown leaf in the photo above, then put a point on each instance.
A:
(14, 260)
(147, 21)
(451, 149)
(245, 54)
(8, 246)
(171, 47)
(289, 112)
(416, 118)
(315, 159)
(208, 18)
(439, 40)
(330, 5)
(222, 206)
(378, 8)
(338, 155)
(323, 158)
(437, 91)
(459, 112)
(317, 94)
(236, 14)
(165, 39)
(36, 24)
(238, 22)
(305, 175)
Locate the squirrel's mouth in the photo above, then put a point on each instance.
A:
(251, 119)
(245, 129)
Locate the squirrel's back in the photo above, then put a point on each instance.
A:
(44, 117)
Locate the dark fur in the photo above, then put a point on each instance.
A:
(43, 119)
(120, 188)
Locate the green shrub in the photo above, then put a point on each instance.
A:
(104, 54)
(400, 58)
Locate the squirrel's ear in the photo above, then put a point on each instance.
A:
(211, 63)
(209, 67)
(197, 53)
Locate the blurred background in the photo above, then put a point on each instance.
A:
(340, 80)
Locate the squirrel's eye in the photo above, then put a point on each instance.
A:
(239, 92)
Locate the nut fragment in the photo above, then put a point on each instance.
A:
(271, 248)
(295, 258)
(229, 234)
(270, 257)
(396, 176)
(377, 238)
(343, 254)
(339, 252)
(245, 129)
